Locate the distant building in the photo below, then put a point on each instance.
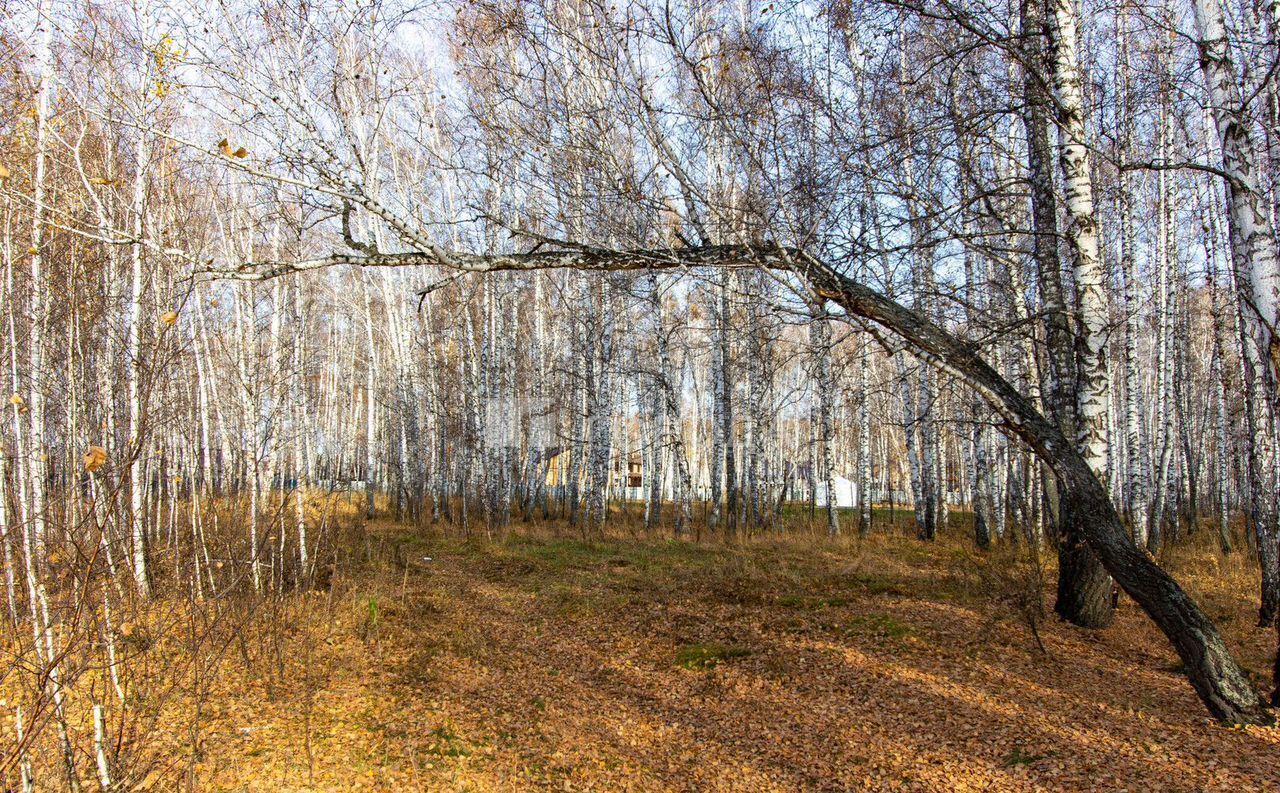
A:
(628, 477)
(846, 493)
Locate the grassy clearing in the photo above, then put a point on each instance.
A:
(541, 660)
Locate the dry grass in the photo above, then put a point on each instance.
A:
(544, 662)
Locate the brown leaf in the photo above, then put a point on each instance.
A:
(95, 458)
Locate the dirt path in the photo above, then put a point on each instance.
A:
(633, 666)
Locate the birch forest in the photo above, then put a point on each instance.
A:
(639, 395)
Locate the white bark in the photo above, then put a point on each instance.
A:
(1257, 275)
(1082, 236)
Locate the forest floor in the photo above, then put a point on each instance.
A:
(541, 661)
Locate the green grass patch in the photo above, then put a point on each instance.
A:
(882, 625)
(708, 655)
(811, 602)
(447, 743)
(610, 557)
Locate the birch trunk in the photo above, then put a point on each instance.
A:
(1257, 275)
(1136, 497)
(1084, 588)
(824, 384)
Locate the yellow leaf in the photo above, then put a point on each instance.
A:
(95, 458)
(151, 779)
(101, 181)
(4, 172)
(169, 317)
(225, 147)
(16, 399)
(240, 153)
